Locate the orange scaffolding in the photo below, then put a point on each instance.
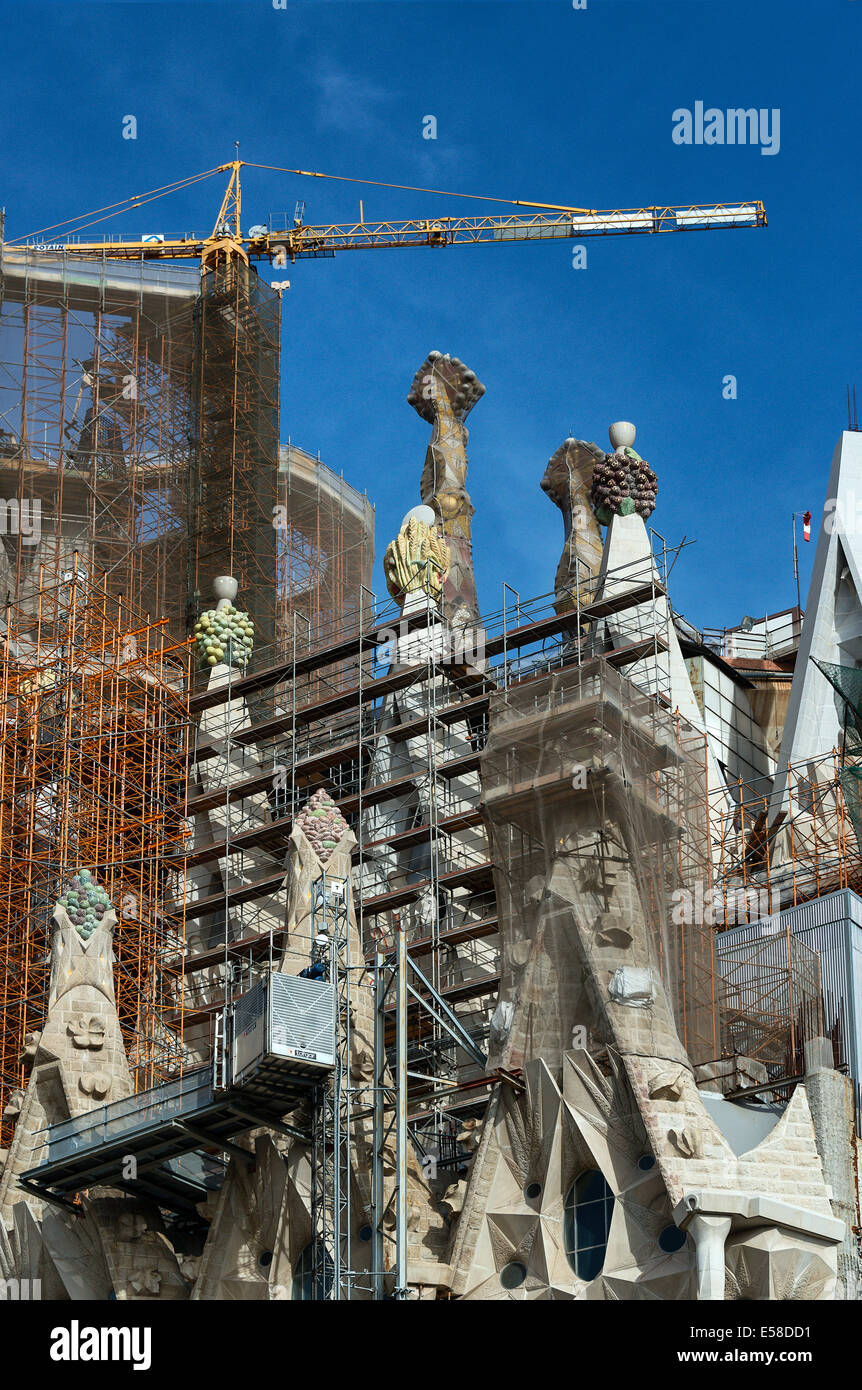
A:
(807, 849)
(94, 733)
(772, 1000)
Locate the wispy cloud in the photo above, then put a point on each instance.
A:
(347, 101)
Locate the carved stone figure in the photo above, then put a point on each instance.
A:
(87, 1030)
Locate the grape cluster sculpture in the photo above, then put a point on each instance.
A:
(224, 636)
(322, 824)
(623, 483)
(85, 902)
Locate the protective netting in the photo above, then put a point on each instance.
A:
(96, 428)
(325, 553)
(596, 807)
(847, 680)
(233, 494)
(139, 428)
(850, 779)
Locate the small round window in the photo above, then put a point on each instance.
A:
(513, 1274)
(671, 1240)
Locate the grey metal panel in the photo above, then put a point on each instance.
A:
(249, 1007)
(249, 1031)
(302, 1017)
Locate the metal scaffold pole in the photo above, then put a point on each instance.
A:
(381, 1090)
(401, 1114)
(332, 1107)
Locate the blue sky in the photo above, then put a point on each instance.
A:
(532, 100)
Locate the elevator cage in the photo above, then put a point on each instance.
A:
(284, 1025)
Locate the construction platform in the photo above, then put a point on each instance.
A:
(279, 1048)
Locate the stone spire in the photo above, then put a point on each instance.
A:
(444, 392)
(567, 481)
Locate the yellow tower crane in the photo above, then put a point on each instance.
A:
(233, 478)
(544, 221)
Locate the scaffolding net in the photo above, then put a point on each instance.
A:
(96, 370)
(325, 552)
(139, 429)
(596, 808)
(94, 732)
(233, 493)
(847, 682)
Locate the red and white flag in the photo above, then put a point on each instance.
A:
(806, 527)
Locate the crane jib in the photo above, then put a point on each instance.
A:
(313, 242)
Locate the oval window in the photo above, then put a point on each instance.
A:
(307, 1283)
(587, 1223)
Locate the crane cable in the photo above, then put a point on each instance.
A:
(140, 199)
(125, 205)
(412, 188)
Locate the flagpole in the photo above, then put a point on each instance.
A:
(806, 521)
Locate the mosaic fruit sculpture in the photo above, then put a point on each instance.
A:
(623, 483)
(224, 636)
(322, 824)
(85, 902)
